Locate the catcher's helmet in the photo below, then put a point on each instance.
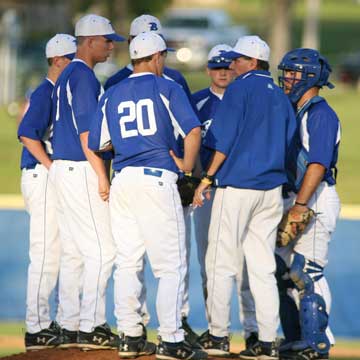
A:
(314, 69)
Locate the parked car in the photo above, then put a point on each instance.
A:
(193, 32)
(349, 69)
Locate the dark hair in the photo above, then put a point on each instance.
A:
(49, 61)
(261, 64)
(80, 39)
(144, 59)
(147, 58)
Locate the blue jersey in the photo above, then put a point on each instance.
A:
(317, 141)
(36, 122)
(142, 116)
(75, 100)
(169, 74)
(206, 102)
(253, 127)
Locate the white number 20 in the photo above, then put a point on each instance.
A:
(136, 113)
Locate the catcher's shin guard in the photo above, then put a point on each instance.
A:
(314, 321)
(289, 313)
(313, 315)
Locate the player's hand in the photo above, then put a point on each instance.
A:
(199, 194)
(178, 161)
(104, 188)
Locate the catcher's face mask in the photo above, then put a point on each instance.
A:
(313, 68)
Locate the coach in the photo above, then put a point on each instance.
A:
(250, 133)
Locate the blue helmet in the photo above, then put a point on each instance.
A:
(314, 68)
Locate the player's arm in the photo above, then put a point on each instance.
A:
(215, 163)
(37, 150)
(98, 165)
(312, 179)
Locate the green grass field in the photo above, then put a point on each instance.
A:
(14, 332)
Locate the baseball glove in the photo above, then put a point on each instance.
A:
(186, 186)
(292, 225)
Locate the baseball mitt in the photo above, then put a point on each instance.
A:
(292, 225)
(186, 186)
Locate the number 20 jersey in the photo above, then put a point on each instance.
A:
(143, 117)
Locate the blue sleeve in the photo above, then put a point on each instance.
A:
(227, 119)
(182, 111)
(85, 91)
(322, 127)
(99, 136)
(36, 119)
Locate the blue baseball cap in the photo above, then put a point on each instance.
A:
(216, 60)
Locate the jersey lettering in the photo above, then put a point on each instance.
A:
(135, 112)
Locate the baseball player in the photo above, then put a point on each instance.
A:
(143, 116)
(312, 166)
(250, 133)
(207, 101)
(40, 199)
(82, 188)
(145, 23)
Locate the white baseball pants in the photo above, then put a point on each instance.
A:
(86, 243)
(201, 223)
(44, 250)
(147, 216)
(243, 225)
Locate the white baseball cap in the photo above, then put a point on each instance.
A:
(251, 46)
(145, 23)
(61, 45)
(93, 25)
(146, 44)
(216, 58)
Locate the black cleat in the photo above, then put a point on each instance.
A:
(250, 347)
(44, 339)
(100, 338)
(69, 339)
(178, 351)
(261, 351)
(191, 337)
(215, 347)
(304, 354)
(134, 346)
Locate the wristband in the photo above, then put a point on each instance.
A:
(207, 179)
(300, 204)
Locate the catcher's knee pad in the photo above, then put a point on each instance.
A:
(314, 321)
(304, 273)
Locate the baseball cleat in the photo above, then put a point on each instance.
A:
(69, 339)
(100, 338)
(261, 351)
(250, 346)
(45, 339)
(215, 346)
(305, 354)
(178, 351)
(190, 335)
(134, 346)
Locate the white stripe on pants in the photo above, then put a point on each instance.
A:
(86, 244)
(44, 250)
(243, 223)
(147, 216)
